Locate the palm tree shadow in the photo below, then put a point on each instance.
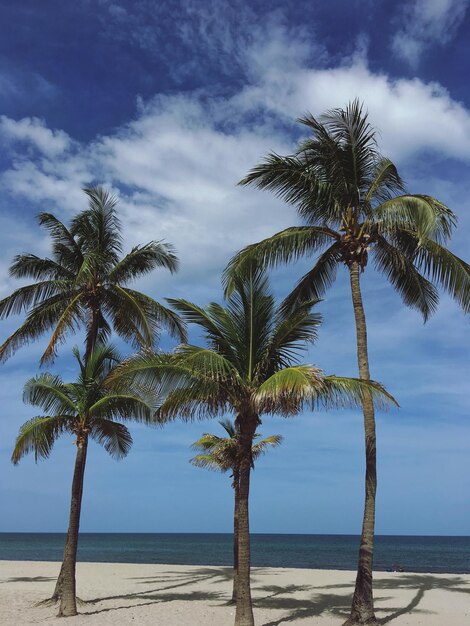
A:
(28, 579)
(157, 598)
(422, 584)
(339, 604)
(178, 580)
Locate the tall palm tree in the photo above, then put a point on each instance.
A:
(353, 202)
(85, 283)
(220, 454)
(86, 409)
(249, 367)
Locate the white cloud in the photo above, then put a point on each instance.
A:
(425, 22)
(176, 165)
(34, 131)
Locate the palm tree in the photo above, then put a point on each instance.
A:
(86, 409)
(248, 368)
(220, 454)
(85, 284)
(353, 202)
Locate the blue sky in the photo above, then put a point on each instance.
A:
(169, 104)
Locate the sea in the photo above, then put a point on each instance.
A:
(403, 553)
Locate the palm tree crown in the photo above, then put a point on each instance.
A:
(221, 453)
(353, 202)
(85, 283)
(85, 408)
(249, 366)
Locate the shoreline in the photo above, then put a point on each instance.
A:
(175, 595)
(253, 567)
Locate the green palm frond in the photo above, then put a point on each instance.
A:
(31, 295)
(195, 399)
(38, 435)
(41, 319)
(205, 363)
(122, 406)
(446, 269)
(32, 266)
(423, 215)
(283, 247)
(415, 290)
(292, 389)
(293, 331)
(209, 461)
(50, 393)
(385, 183)
(261, 447)
(142, 260)
(114, 437)
(314, 284)
(68, 322)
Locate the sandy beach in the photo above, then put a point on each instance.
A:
(171, 595)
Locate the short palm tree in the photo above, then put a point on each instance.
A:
(86, 409)
(248, 368)
(220, 454)
(85, 284)
(353, 203)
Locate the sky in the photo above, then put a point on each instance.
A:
(169, 105)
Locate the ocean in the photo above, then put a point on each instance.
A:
(412, 554)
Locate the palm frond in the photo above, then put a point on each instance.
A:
(420, 214)
(261, 447)
(120, 406)
(446, 269)
(314, 284)
(283, 247)
(38, 435)
(142, 260)
(415, 290)
(114, 437)
(50, 393)
(292, 389)
(32, 295)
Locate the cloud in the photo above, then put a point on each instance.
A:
(424, 23)
(33, 131)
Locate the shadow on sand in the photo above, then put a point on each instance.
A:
(314, 601)
(333, 602)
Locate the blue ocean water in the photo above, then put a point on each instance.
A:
(413, 554)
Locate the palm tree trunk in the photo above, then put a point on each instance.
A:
(236, 488)
(244, 610)
(90, 343)
(362, 609)
(66, 581)
(92, 331)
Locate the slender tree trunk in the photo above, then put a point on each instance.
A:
(67, 594)
(362, 609)
(92, 331)
(244, 611)
(90, 343)
(236, 489)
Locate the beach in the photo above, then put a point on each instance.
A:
(178, 595)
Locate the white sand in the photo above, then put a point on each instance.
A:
(171, 595)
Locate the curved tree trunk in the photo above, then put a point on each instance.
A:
(90, 343)
(236, 489)
(244, 610)
(66, 581)
(362, 609)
